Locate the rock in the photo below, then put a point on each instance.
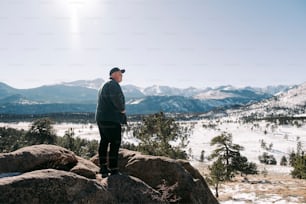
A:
(52, 186)
(85, 168)
(145, 179)
(37, 157)
(128, 189)
(200, 182)
(176, 180)
(177, 183)
(95, 160)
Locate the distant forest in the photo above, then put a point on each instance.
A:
(89, 117)
(81, 117)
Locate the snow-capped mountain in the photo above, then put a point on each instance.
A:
(275, 89)
(162, 91)
(17, 99)
(132, 91)
(81, 95)
(221, 92)
(288, 103)
(91, 84)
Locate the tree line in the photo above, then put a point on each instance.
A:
(41, 131)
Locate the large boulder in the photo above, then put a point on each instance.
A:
(37, 157)
(52, 186)
(128, 189)
(55, 186)
(79, 183)
(144, 179)
(85, 168)
(176, 180)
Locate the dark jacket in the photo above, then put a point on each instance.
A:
(111, 103)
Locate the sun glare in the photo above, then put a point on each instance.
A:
(74, 16)
(75, 7)
(76, 10)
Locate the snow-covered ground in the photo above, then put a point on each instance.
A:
(283, 138)
(249, 135)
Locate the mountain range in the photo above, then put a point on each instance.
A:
(81, 96)
(291, 103)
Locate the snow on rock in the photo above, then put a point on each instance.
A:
(213, 95)
(135, 101)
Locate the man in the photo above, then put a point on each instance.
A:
(110, 114)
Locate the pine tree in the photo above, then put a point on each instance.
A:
(156, 134)
(218, 174)
(241, 164)
(298, 162)
(299, 166)
(202, 156)
(67, 141)
(41, 132)
(229, 154)
(284, 161)
(226, 151)
(292, 158)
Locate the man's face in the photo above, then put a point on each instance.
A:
(117, 76)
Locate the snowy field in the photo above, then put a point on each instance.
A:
(283, 139)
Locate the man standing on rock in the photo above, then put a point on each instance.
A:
(110, 114)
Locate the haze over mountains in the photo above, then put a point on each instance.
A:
(81, 96)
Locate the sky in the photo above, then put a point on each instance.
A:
(179, 43)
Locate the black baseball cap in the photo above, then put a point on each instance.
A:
(116, 69)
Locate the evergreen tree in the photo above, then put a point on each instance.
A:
(267, 159)
(299, 166)
(284, 161)
(217, 175)
(41, 132)
(11, 139)
(292, 158)
(77, 145)
(225, 151)
(202, 156)
(298, 161)
(67, 141)
(229, 154)
(241, 164)
(157, 133)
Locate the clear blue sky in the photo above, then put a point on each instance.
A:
(179, 43)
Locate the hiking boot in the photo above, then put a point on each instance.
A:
(104, 171)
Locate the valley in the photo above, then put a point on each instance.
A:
(273, 126)
(274, 186)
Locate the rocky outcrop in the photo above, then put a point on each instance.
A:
(128, 189)
(52, 186)
(56, 175)
(176, 180)
(85, 168)
(37, 157)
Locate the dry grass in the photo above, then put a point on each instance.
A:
(276, 187)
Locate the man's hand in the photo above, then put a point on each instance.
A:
(124, 118)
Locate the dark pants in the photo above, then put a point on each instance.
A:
(110, 135)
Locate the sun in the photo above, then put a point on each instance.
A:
(75, 20)
(76, 9)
